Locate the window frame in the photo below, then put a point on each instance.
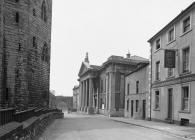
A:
(168, 76)
(157, 78)
(158, 39)
(188, 70)
(182, 98)
(136, 105)
(190, 22)
(156, 106)
(168, 33)
(137, 86)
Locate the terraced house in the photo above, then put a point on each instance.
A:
(102, 88)
(25, 40)
(173, 70)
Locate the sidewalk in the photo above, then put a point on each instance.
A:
(171, 129)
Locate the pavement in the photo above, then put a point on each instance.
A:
(77, 126)
(171, 129)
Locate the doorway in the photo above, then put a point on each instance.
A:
(131, 108)
(170, 103)
(144, 109)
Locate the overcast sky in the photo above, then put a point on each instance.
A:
(103, 28)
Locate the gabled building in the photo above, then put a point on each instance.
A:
(173, 70)
(103, 87)
(137, 102)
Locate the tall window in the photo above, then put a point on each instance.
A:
(17, 17)
(34, 42)
(158, 44)
(44, 12)
(185, 55)
(128, 105)
(45, 53)
(158, 70)
(170, 72)
(185, 98)
(171, 35)
(186, 24)
(136, 105)
(137, 87)
(157, 99)
(127, 89)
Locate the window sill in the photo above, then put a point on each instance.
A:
(185, 32)
(157, 50)
(170, 77)
(156, 109)
(185, 111)
(171, 42)
(185, 73)
(155, 81)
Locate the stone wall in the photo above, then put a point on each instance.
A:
(30, 129)
(24, 37)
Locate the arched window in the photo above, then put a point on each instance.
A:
(45, 53)
(44, 12)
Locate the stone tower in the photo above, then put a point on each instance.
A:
(25, 44)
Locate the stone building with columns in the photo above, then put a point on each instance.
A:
(102, 88)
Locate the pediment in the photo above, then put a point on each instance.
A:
(84, 67)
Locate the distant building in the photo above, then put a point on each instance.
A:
(137, 92)
(173, 81)
(25, 44)
(52, 101)
(103, 87)
(76, 93)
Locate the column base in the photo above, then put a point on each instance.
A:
(90, 110)
(85, 109)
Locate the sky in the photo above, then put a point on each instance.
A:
(103, 28)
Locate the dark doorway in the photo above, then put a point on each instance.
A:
(144, 109)
(131, 108)
(170, 103)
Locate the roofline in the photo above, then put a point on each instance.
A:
(172, 21)
(137, 69)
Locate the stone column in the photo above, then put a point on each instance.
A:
(84, 90)
(80, 95)
(90, 99)
(112, 94)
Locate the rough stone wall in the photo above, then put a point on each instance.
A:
(27, 75)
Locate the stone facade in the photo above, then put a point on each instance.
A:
(102, 88)
(76, 90)
(137, 93)
(172, 89)
(25, 44)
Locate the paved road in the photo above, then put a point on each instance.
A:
(84, 127)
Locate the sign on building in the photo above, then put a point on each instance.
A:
(169, 58)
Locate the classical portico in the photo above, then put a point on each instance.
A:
(86, 79)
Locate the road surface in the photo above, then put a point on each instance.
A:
(96, 127)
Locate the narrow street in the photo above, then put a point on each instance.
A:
(96, 127)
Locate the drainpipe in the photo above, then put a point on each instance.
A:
(150, 82)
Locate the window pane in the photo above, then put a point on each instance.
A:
(186, 60)
(186, 24)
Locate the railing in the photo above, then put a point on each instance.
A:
(10, 115)
(6, 115)
(23, 115)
